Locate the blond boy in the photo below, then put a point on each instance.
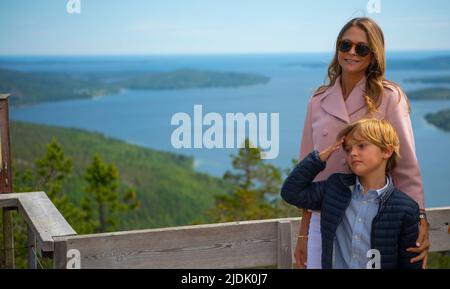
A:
(365, 221)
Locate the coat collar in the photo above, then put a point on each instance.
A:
(333, 102)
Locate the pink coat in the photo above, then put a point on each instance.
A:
(328, 113)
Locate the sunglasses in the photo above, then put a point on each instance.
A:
(361, 49)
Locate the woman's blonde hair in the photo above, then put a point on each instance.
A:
(375, 73)
(379, 132)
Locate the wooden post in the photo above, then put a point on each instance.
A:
(6, 181)
(284, 248)
(32, 260)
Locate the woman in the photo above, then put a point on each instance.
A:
(357, 89)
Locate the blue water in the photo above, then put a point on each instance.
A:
(143, 117)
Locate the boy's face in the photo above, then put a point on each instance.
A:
(363, 157)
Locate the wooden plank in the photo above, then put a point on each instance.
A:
(43, 217)
(295, 229)
(5, 151)
(8, 239)
(6, 185)
(439, 219)
(9, 200)
(229, 245)
(284, 245)
(40, 213)
(60, 253)
(32, 261)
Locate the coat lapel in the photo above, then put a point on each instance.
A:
(333, 102)
(355, 100)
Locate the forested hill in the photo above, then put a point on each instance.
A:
(171, 192)
(35, 87)
(440, 119)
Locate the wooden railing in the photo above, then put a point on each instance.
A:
(247, 244)
(43, 219)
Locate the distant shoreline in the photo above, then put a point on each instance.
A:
(246, 53)
(440, 119)
(29, 88)
(430, 94)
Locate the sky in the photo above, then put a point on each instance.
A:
(145, 27)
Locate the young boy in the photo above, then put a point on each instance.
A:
(365, 220)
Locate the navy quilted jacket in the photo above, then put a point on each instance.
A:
(394, 228)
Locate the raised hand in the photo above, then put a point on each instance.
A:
(325, 154)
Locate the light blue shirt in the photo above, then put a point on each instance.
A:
(352, 240)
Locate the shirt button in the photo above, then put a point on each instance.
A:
(356, 237)
(325, 132)
(360, 220)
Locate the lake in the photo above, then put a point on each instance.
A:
(143, 117)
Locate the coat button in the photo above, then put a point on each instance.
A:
(325, 131)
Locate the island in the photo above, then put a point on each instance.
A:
(435, 93)
(440, 119)
(28, 88)
(427, 63)
(431, 79)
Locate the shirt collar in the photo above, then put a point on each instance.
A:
(380, 192)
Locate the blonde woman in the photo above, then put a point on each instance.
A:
(358, 89)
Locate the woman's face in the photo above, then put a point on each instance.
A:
(350, 61)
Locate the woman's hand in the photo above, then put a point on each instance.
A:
(423, 244)
(301, 253)
(301, 249)
(325, 154)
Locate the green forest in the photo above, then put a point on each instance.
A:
(101, 184)
(171, 192)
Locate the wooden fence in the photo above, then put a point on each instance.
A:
(247, 244)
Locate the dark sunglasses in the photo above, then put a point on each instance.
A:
(361, 48)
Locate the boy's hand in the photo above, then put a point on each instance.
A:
(325, 154)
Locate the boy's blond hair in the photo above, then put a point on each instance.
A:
(379, 132)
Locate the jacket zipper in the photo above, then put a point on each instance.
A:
(373, 221)
(333, 261)
(333, 256)
(380, 209)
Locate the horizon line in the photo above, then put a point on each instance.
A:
(210, 53)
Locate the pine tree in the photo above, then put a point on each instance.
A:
(49, 174)
(256, 194)
(102, 195)
(52, 170)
